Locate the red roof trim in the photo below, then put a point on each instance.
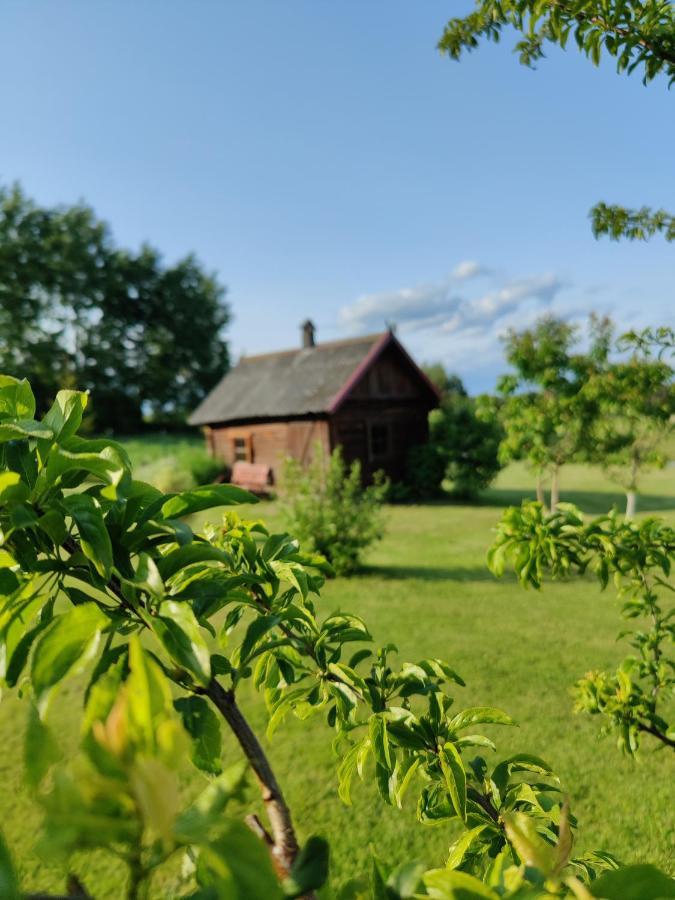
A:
(362, 367)
(375, 351)
(425, 378)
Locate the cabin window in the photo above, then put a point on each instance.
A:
(241, 450)
(379, 440)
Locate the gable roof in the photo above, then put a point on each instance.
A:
(307, 381)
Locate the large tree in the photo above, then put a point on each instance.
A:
(639, 34)
(144, 337)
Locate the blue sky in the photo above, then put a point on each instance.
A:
(326, 161)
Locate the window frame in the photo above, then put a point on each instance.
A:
(241, 444)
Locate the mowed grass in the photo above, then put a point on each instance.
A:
(426, 588)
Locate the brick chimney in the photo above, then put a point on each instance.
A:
(308, 331)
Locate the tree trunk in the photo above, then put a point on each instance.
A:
(631, 493)
(631, 503)
(284, 847)
(541, 498)
(555, 488)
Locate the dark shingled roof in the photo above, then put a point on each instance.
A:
(289, 383)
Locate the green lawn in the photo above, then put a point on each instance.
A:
(426, 588)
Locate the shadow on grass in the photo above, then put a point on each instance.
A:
(593, 502)
(429, 573)
(596, 502)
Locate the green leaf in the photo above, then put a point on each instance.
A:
(9, 884)
(255, 631)
(6, 560)
(479, 715)
(16, 398)
(18, 658)
(106, 464)
(641, 882)
(407, 769)
(237, 865)
(149, 696)
(195, 552)
(207, 497)
(65, 414)
(458, 850)
(455, 777)
(203, 726)
(445, 884)
(68, 645)
(346, 771)
(40, 749)
(179, 632)
(384, 763)
(12, 488)
(94, 537)
(196, 822)
(147, 575)
(522, 834)
(309, 870)
(520, 762)
(406, 879)
(22, 429)
(53, 523)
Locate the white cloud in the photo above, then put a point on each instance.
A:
(443, 307)
(456, 322)
(469, 268)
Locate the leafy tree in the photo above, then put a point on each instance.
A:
(544, 410)
(424, 475)
(145, 338)
(446, 382)
(467, 443)
(462, 446)
(141, 598)
(639, 34)
(636, 404)
(636, 557)
(330, 510)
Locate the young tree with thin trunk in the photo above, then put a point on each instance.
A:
(636, 415)
(545, 412)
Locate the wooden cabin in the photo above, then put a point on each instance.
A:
(365, 394)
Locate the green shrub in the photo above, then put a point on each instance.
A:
(468, 444)
(327, 506)
(425, 471)
(205, 469)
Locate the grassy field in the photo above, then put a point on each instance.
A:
(169, 461)
(426, 588)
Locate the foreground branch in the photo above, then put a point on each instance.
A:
(284, 844)
(284, 848)
(484, 802)
(659, 735)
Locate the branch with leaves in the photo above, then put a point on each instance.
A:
(101, 574)
(617, 222)
(637, 558)
(639, 35)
